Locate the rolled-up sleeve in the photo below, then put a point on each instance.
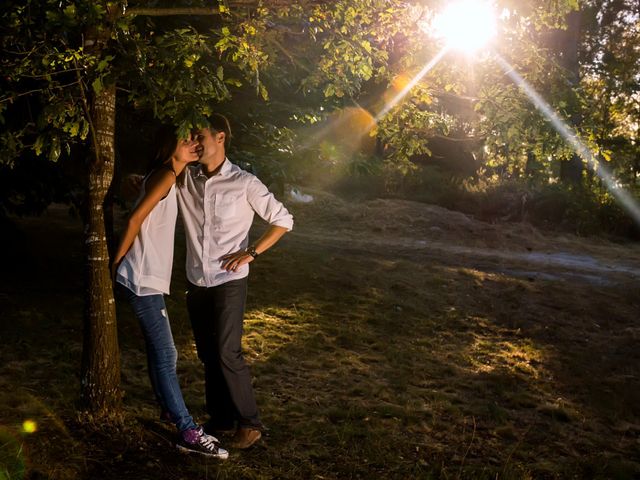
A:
(265, 204)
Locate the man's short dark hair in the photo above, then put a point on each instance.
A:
(219, 123)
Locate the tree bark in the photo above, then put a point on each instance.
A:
(529, 166)
(571, 170)
(100, 354)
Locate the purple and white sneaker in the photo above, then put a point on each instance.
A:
(195, 440)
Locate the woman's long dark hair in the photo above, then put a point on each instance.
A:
(166, 142)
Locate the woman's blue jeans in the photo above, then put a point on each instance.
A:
(161, 355)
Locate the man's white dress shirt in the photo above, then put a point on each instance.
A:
(217, 213)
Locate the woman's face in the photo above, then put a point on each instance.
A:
(187, 150)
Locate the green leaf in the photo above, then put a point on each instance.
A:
(97, 86)
(38, 146)
(54, 151)
(104, 63)
(263, 92)
(233, 81)
(85, 130)
(52, 16)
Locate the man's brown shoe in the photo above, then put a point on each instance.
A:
(245, 437)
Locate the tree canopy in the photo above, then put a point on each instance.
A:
(291, 63)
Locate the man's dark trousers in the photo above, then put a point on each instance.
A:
(217, 315)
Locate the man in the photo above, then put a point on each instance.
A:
(218, 201)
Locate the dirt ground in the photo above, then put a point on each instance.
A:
(516, 249)
(387, 338)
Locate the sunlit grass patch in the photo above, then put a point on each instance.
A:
(519, 357)
(268, 330)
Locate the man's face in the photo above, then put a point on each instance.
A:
(210, 143)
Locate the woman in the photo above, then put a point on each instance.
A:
(142, 268)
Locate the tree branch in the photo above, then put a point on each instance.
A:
(87, 110)
(45, 75)
(166, 12)
(11, 97)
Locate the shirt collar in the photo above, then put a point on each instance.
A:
(225, 168)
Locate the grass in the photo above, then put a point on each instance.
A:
(369, 362)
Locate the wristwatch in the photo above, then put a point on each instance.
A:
(252, 251)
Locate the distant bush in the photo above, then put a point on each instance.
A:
(551, 206)
(578, 210)
(423, 184)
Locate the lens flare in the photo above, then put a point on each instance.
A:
(402, 93)
(625, 199)
(467, 25)
(29, 426)
(399, 82)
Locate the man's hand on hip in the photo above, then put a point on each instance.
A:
(232, 261)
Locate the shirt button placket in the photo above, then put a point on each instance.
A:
(209, 206)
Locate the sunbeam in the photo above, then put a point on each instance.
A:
(401, 94)
(625, 199)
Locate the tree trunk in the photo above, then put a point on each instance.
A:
(530, 164)
(100, 353)
(571, 170)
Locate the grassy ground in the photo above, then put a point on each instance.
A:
(371, 358)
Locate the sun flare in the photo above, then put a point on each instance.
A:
(466, 25)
